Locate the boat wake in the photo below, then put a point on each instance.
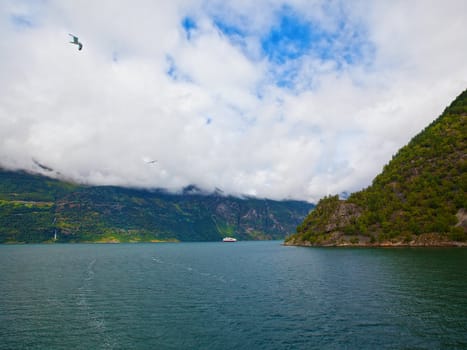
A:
(219, 278)
(87, 309)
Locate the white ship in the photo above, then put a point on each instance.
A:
(229, 239)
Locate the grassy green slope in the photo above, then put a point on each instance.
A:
(27, 206)
(32, 207)
(420, 193)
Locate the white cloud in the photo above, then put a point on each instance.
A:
(211, 108)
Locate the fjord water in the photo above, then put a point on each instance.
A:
(245, 295)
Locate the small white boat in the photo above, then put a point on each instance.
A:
(229, 239)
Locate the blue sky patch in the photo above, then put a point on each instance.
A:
(172, 68)
(286, 78)
(174, 72)
(189, 25)
(228, 29)
(235, 33)
(293, 37)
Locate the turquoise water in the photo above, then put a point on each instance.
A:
(245, 295)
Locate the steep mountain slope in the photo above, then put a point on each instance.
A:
(418, 199)
(34, 207)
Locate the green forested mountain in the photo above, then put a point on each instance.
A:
(418, 199)
(34, 207)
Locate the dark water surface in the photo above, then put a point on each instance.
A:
(245, 295)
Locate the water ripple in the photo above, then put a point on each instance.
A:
(250, 295)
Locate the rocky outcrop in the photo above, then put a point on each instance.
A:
(418, 200)
(461, 216)
(343, 215)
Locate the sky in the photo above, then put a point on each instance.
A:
(276, 99)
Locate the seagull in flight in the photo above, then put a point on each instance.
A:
(76, 42)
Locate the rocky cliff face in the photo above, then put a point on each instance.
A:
(419, 199)
(461, 216)
(344, 214)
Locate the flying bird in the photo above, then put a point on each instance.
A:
(149, 161)
(76, 41)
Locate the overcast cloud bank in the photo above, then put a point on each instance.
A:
(278, 99)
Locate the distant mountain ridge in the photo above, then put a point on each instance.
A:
(419, 199)
(34, 207)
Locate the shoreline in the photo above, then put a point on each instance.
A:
(338, 239)
(92, 242)
(451, 244)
